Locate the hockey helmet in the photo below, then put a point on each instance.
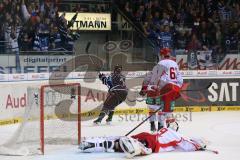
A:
(117, 69)
(165, 52)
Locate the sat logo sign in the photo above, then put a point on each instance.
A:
(225, 91)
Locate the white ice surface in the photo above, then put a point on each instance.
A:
(222, 129)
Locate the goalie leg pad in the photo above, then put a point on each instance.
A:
(97, 144)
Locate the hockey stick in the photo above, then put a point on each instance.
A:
(161, 108)
(87, 52)
(187, 90)
(210, 150)
(143, 121)
(198, 89)
(87, 47)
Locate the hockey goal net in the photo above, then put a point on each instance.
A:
(51, 119)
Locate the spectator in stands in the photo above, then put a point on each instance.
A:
(166, 20)
(165, 37)
(234, 30)
(27, 35)
(77, 8)
(156, 19)
(26, 41)
(140, 14)
(224, 11)
(181, 40)
(203, 28)
(41, 39)
(27, 25)
(214, 18)
(218, 35)
(206, 20)
(128, 8)
(64, 32)
(204, 40)
(194, 43)
(100, 8)
(55, 39)
(178, 19)
(155, 6)
(236, 11)
(12, 31)
(28, 12)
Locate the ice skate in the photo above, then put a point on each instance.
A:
(109, 119)
(108, 122)
(85, 145)
(99, 119)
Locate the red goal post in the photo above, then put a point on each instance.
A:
(62, 89)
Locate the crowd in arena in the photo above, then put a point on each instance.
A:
(188, 24)
(34, 25)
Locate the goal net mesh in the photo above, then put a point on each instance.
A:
(50, 119)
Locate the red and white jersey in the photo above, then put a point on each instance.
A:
(167, 71)
(167, 140)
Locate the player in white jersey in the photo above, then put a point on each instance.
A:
(167, 81)
(144, 143)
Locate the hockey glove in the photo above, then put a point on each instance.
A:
(142, 93)
(100, 76)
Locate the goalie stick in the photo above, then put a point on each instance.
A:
(161, 108)
(187, 90)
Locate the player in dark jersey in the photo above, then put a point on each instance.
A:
(117, 93)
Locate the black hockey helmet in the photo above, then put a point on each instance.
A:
(117, 68)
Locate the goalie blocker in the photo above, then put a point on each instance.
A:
(143, 143)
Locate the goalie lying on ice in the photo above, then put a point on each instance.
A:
(143, 143)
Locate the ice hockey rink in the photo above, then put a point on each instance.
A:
(220, 129)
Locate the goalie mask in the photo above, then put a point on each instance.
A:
(132, 147)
